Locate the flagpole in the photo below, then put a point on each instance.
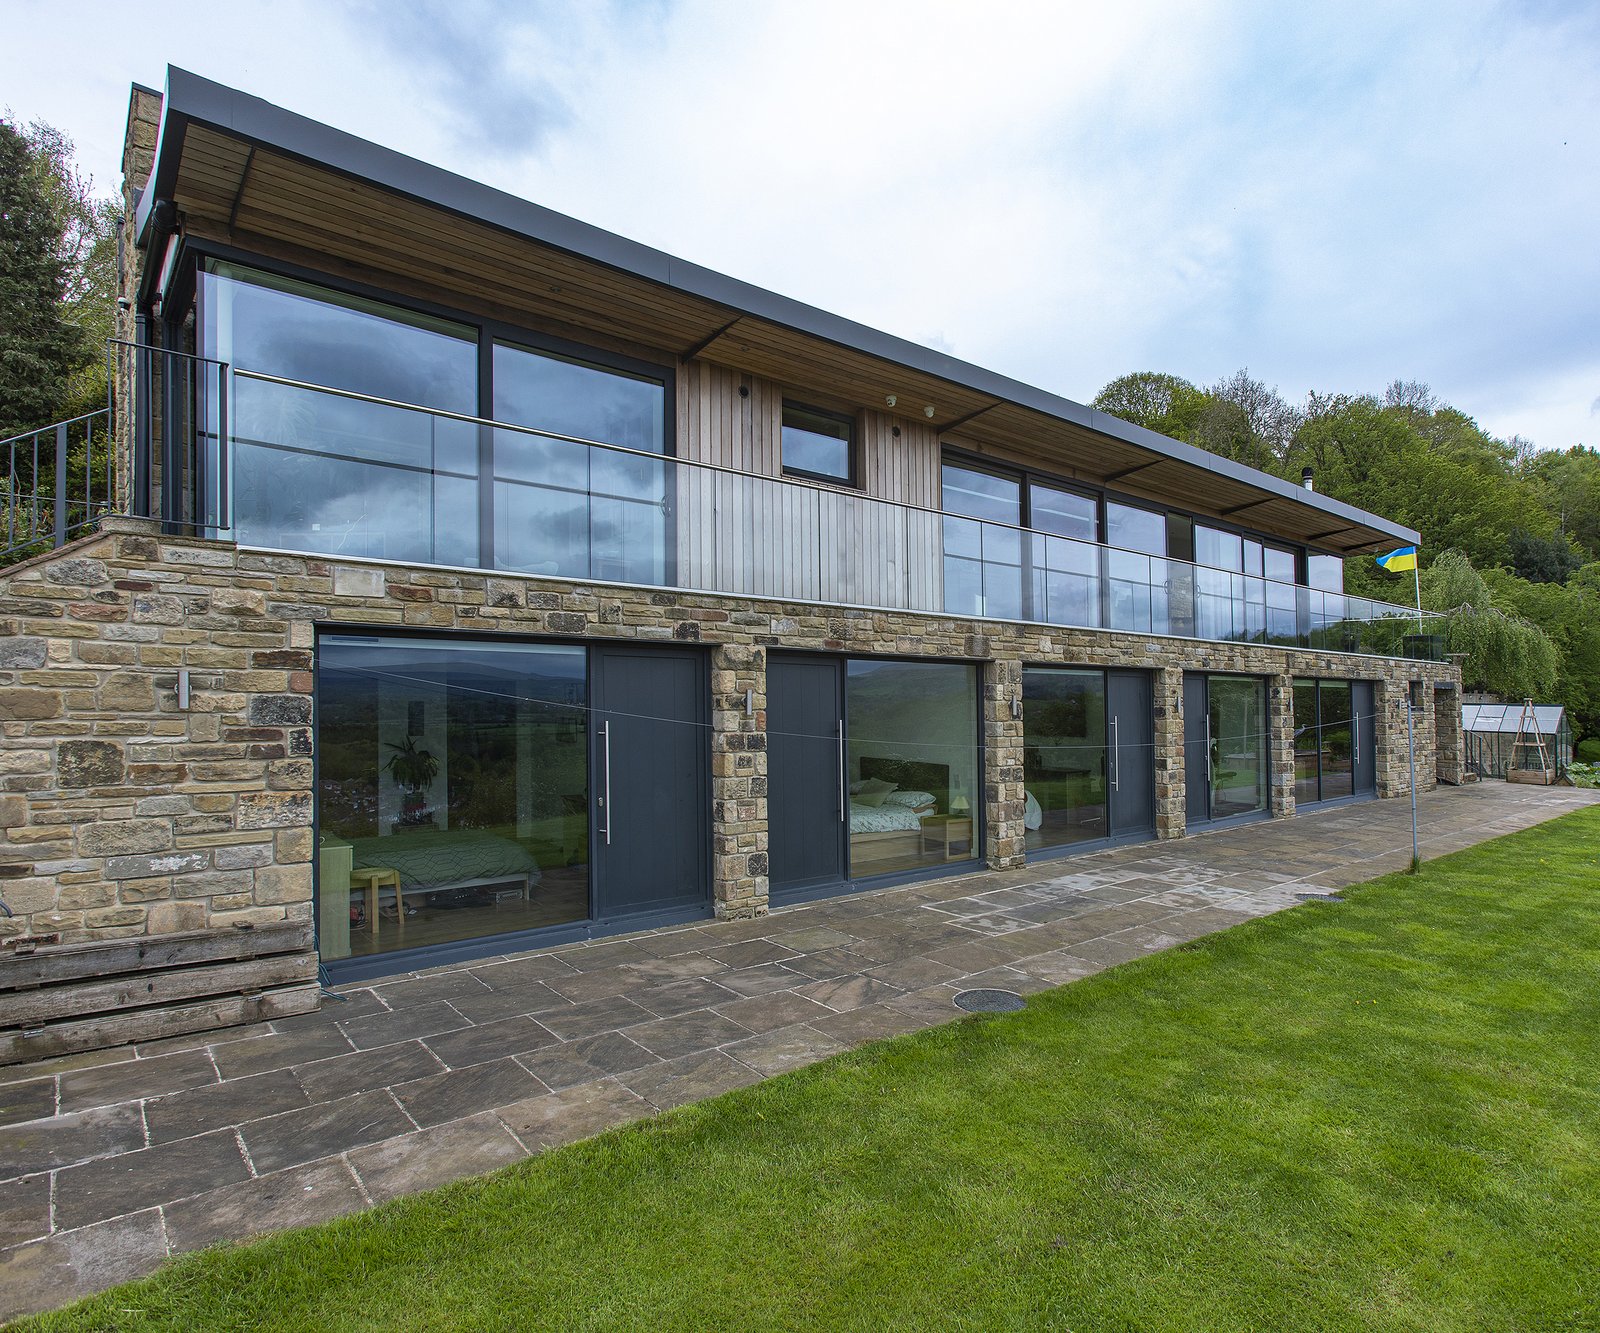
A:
(1417, 579)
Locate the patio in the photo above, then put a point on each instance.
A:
(110, 1161)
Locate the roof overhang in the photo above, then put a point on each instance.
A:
(246, 173)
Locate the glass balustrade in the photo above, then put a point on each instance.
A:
(517, 499)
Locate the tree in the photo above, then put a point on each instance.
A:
(1156, 401)
(40, 346)
(1506, 654)
(87, 245)
(57, 281)
(1246, 421)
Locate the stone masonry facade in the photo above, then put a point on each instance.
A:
(122, 813)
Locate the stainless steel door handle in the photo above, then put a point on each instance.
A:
(1116, 757)
(839, 733)
(605, 799)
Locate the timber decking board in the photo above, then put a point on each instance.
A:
(58, 963)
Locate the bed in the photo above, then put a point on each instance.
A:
(442, 860)
(888, 836)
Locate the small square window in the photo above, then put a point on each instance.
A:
(818, 444)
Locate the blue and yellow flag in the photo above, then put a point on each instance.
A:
(1399, 562)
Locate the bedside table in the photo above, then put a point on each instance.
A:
(944, 831)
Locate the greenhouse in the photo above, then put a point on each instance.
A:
(1490, 731)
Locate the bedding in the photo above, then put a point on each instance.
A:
(440, 858)
(923, 801)
(882, 818)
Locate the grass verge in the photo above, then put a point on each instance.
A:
(1376, 1114)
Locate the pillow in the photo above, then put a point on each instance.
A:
(857, 786)
(912, 800)
(874, 791)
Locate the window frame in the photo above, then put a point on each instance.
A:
(852, 444)
(488, 330)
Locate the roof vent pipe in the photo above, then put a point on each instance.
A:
(1307, 480)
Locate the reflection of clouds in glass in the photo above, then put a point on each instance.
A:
(550, 394)
(305, 503)
(298, 337)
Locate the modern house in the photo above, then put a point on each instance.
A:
(473, 579)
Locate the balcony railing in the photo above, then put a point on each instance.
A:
(334, 472)
(56, 482)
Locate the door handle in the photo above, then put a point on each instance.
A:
(1116, 757)
(839, 734)
(605, 798)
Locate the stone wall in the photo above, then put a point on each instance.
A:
(124, 813)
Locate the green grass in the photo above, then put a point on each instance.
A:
(1378, 1114)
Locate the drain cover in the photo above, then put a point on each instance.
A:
(989, 1001)
(1319, 897)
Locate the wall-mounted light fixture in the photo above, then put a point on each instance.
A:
(891, 400)
(183, 690)
(928, 410)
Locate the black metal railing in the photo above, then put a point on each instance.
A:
(58, 480)
(155, 450)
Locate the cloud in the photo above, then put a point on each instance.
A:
(483, 60)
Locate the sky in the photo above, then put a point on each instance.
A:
(1333, 195)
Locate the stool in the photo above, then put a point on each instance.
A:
(369, 880)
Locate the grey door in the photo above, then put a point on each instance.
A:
(649, 747)
(1364, 737)
(1130, 759)
(805, 802)
(1196, 748)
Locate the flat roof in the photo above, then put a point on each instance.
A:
(191, 99)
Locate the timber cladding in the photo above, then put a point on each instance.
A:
(125, 815)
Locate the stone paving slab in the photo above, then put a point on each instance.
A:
(111, 1160)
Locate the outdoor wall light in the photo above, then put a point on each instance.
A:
(928, 411)
(183, 690)
(891, 400)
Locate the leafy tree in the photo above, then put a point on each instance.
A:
(40, 346)
(1506, 653)
(1541, 559)
(1148, 398)
(86, 242)
(1246, 421)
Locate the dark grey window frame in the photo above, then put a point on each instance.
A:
(489, 330)
(852, 444)
(1025, 475)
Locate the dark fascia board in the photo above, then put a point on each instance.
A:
(192, 98)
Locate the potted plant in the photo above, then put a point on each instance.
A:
(413, 770)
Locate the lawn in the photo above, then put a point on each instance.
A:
(1381, 1113)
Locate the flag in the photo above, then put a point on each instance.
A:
(1398, 562)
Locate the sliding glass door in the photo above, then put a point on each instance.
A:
(873, 769)
(1335, 737)
(1226, 746)
(1088, 770)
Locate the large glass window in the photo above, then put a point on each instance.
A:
(1325, 572)
(1238, 736)
(982, 543)
(818, 444)
(1136, 568)
(563, 507)
(1064, 513)
(1064, 756)
(911, 765)
(1307, 742)
(452, 791)
(318, 471)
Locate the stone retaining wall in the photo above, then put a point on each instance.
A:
(123, 813)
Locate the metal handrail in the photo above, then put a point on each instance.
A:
(797, 483)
